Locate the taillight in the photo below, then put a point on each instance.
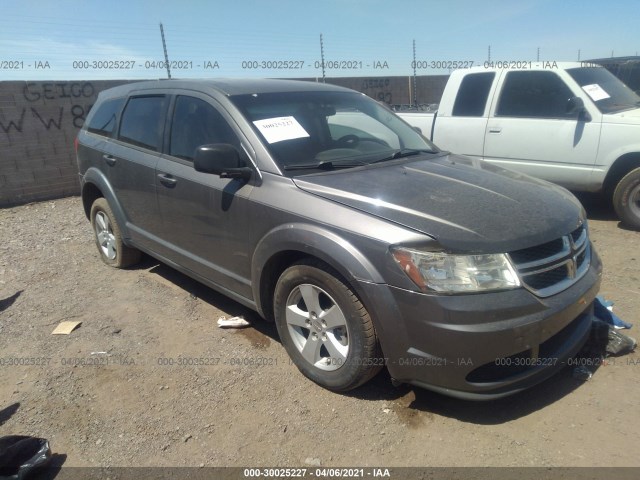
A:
(75, 144)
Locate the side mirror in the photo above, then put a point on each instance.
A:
(418, 129)
(221, 159)
(575, 106)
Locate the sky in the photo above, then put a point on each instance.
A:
(117, 39)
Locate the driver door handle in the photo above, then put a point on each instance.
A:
(110, 159)
(167, 180)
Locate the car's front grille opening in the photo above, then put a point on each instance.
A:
(547, 356)
(501, 368)
(547, 279)
(535, 253)
(549, 268)
(550, 347)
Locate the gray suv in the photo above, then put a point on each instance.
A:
(323, 211)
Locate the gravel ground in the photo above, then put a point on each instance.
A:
(149, 380)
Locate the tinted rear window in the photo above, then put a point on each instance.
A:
(103, 120)
(473, 94)
(143, 120)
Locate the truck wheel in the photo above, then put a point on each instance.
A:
(626, 199)
(108, 237)
(324, 327)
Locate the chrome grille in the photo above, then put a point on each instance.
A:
(554, 266)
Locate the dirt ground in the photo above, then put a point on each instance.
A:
(123, 390)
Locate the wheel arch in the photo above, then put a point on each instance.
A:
(96, 185)
(620, 167)
(286, 245)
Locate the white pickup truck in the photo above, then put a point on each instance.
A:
(574, 124)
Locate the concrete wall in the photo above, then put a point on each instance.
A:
(39, 122)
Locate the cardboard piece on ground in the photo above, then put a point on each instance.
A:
(65, 328)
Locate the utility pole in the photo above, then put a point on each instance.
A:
(415, 77)
(538, 55)
(166, 55)
(578, 54)
(322, 58)
(489, 54)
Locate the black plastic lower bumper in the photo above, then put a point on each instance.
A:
(481, 346)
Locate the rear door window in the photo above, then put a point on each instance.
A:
(143, 120)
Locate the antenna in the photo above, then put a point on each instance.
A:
(166, 55)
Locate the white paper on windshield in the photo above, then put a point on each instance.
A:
(596, 92)
(280, 128)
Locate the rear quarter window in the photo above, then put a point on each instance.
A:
(143, 121)
(103, 121)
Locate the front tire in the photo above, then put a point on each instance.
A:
(324, 327)
(108, 237)
(626, 199)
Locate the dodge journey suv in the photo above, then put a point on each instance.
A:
(326, 213)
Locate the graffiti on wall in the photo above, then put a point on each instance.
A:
(37, 94)
(378, 88)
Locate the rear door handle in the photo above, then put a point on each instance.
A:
(167, 180)
(495, 129)
(109, 159)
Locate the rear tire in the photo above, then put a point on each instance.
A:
(324, 327)
(108, 237)
(626, 199)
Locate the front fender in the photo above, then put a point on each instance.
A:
(316, 241)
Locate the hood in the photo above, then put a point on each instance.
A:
(467, 205)
(626, 117)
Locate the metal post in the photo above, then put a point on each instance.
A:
(322, 58)
(415, 77)
(166, 55)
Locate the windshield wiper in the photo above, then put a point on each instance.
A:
(405, 152)
(325, 165)
(349, 162)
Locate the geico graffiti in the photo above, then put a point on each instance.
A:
(54, 116)
(36, 91)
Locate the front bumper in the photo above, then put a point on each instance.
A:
(481, 346)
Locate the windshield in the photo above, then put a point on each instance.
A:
(312, 131)
(608, 93)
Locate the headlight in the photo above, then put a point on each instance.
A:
(445, 273)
